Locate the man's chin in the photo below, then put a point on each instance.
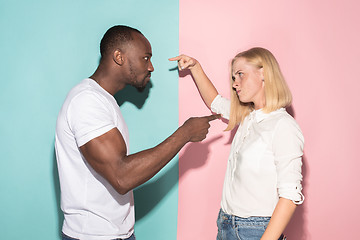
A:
(141, 89)
(143, 86)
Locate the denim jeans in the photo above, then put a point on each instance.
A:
(236, 228)
(65, 237)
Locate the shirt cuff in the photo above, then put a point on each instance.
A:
(291, 192)
(221, 105)
(93, 134)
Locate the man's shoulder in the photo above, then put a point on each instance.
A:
(80, 88)
(85, 91)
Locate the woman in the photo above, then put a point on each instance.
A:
(262, 185)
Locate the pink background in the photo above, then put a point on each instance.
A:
(317, 46)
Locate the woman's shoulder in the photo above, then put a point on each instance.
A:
(285, 124)
(280, 118)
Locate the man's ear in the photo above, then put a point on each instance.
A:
(118, 57)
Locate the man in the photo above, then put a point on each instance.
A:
(96, 173)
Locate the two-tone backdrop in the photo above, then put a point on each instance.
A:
(46, 47)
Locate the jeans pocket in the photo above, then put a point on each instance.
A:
(250, 232)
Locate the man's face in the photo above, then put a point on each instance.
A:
(139, 61)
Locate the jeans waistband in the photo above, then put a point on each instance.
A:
(66, 237)
(248, 221)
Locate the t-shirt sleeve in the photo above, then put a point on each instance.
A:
(221, 105)
(89, 116)
(288, 149)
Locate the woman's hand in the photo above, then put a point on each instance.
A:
(207, 90)
(184, 62)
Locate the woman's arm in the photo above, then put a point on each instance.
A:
(283, 212)
(207, 90)
(288, 144)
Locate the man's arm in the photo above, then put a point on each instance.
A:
(107, 154)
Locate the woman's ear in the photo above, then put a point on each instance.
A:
(118, 57)
(261, 70)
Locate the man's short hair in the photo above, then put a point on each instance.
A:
(116, 37)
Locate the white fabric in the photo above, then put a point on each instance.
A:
(264, 162)
(92, 208)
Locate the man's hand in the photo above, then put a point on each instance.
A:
(196, 128)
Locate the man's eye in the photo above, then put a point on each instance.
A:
(233, 78)
(146, 58)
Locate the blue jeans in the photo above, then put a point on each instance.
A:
(65, 237)
(231, 227)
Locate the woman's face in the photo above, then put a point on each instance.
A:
(248, 83)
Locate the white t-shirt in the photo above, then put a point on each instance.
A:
(92, 208)
(264, 162)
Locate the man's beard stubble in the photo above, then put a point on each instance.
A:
(140, 89)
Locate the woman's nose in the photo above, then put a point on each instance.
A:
(236, 83)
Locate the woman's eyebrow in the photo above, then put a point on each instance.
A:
(238, 71)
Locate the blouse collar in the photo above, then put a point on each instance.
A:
(259, 115)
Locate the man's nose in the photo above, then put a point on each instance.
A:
(150, 67)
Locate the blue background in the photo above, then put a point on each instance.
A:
(47, 47)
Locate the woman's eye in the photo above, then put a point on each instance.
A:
(233, 78)
(146, 58)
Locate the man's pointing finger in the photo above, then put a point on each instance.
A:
(213, 117)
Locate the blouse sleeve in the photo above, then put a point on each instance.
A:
(288, 143)
(221, 105)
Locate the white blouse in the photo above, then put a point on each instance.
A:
(264, 162)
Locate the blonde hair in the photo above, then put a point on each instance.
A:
(277, 92)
